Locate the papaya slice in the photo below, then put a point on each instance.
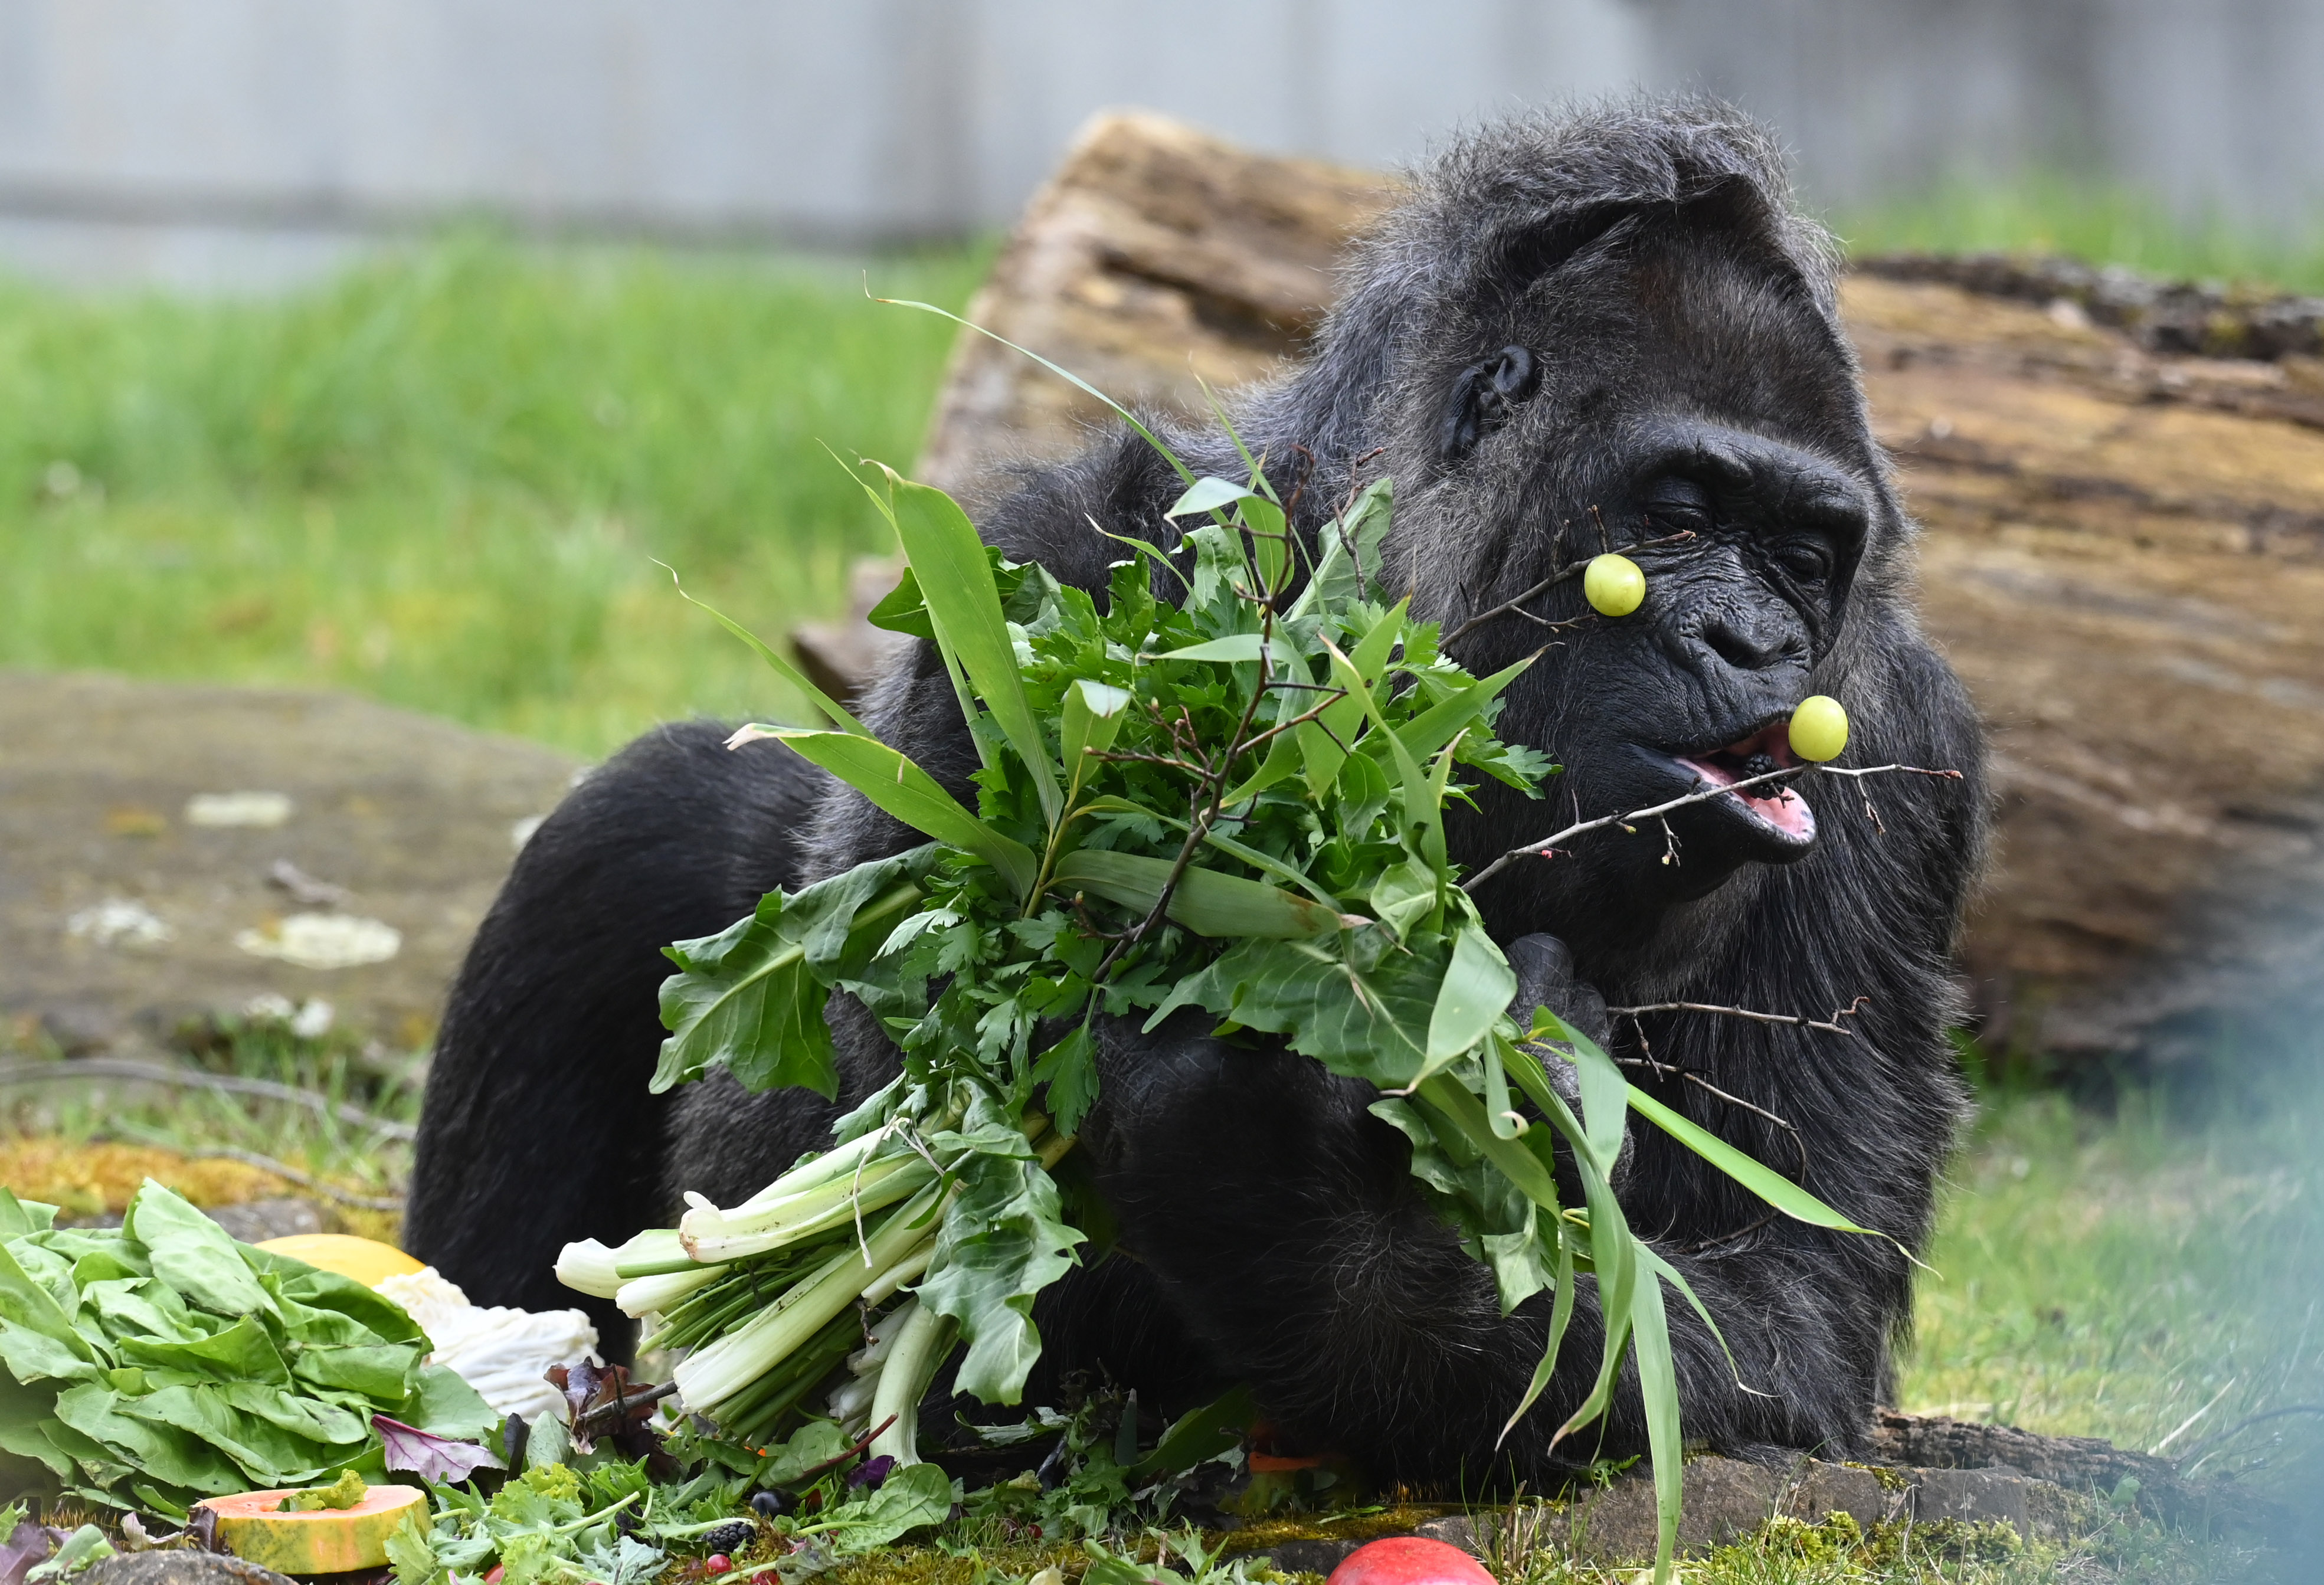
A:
(364, 1260)
(322, 1541)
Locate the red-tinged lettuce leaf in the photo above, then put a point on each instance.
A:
(27, 1545)
(435, 1458)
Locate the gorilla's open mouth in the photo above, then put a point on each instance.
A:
(1775, 805)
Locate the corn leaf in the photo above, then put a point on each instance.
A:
(912, 794)
(957, 583)
(1477, 985)
(1210, 494)
(1233, 647)
(1205, 901)
(1769, 1185)
(1092, 719)
(782, 668)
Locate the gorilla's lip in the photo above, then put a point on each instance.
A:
(1775, 806)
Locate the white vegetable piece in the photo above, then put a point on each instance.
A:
(501, 1353)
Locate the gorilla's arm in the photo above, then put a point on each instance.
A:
(1281, 1221)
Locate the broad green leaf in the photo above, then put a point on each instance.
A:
(751, 998)
(1347, 565)
(1359, 1002)
(193, 1254)
(1199, 1435)
(1271, 543)
(1769, 1185)
(1205, 901)
(1452, 1100)
(19, 1217)
(1560, 1315)
(1003, 1240)
(1210, 494)
(915, 1496)
(1659, 1386)
(1282, 762)
(1434, 727)
(162, 1452)
(267, 1453)
(782, 667)
(1093, 714)
(957, 581)
(1233, 647)
(1423, 819)
(1477, 985)
(1326, 740)
(1069, 1069)
(35, 1356)
(912, 794)
(242, 1352)
(28, 1304)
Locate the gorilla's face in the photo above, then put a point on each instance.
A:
(1665, 383)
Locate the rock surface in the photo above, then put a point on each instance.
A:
(2125, 555)
(120, 915)
(177, 1566)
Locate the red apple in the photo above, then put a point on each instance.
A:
(1409, 1560)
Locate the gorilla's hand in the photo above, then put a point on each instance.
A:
(1545, 970)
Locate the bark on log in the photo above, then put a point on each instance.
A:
(2123, 556)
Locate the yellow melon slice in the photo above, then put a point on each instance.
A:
(366, 1260)
(324, 1541)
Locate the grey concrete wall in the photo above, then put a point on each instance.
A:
(236, 141)
(192, 139)
(2211, 105)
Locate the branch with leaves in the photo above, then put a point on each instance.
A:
(1231, 800)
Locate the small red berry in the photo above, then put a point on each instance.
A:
(717, 1563)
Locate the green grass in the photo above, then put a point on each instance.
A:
(2145, 1280)
(2097, 223)
(443, 479)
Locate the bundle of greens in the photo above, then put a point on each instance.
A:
(152, 1365)
(1233, 801)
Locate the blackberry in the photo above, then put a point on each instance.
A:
(772, 1505)
(730, 1538)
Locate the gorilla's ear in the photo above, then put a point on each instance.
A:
(1482, 398)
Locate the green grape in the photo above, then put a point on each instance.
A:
(1614, 584)
(1818, 728)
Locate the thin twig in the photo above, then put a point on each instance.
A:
(1570, 570)
(155, 1072)
(617, 1411)
(1543, 847)
(1796, 1020)
(2211, 1444)
(305, 1180)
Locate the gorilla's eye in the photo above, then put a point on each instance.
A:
(1675, 505)
(1804, 560)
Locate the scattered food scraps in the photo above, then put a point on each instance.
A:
(119, 921)
(264, 810)
(324, 941)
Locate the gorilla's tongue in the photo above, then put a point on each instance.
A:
(1773, 802)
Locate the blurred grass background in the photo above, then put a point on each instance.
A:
(442, 478)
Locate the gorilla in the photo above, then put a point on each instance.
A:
(1605, 329)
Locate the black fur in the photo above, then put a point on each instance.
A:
(1598, 330)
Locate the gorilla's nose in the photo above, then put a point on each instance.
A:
(1751, 640)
